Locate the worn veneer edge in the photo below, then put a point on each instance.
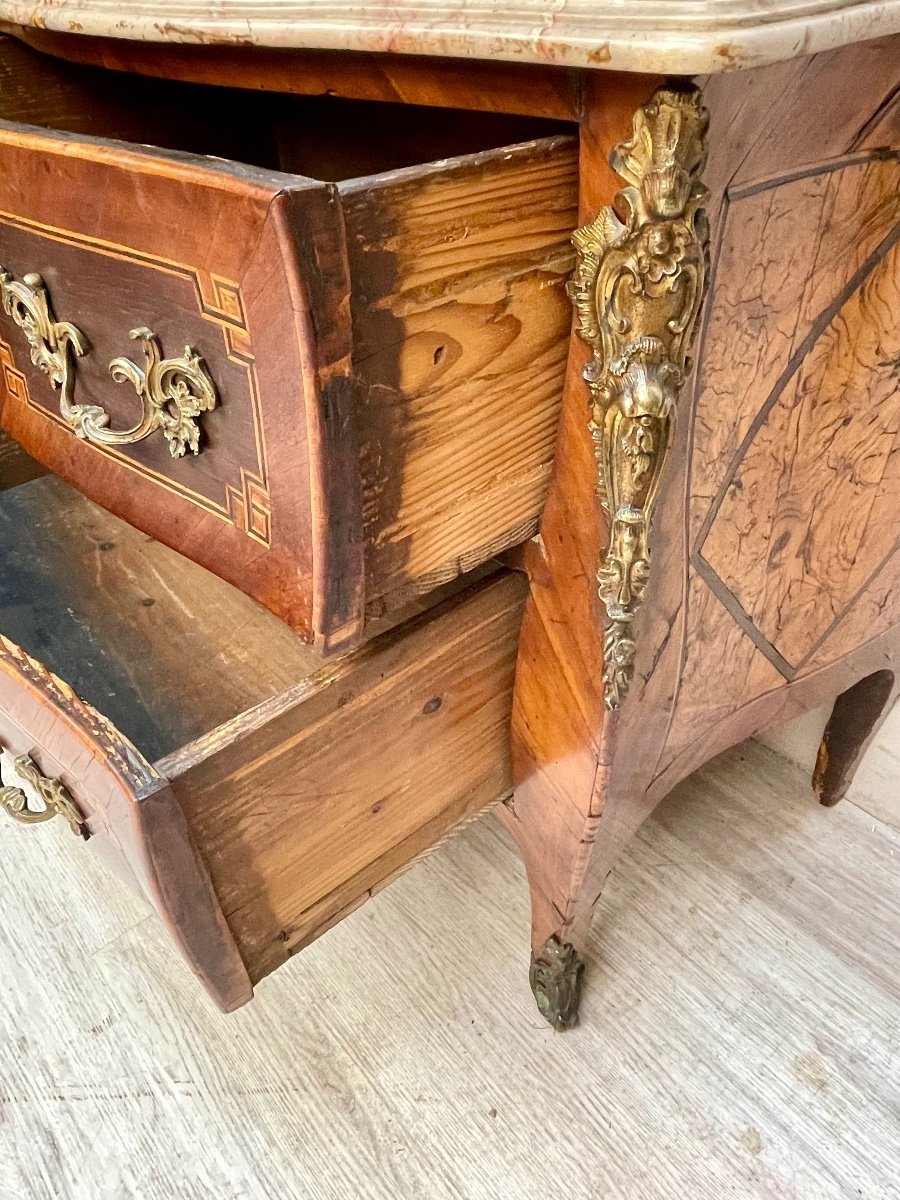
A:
(143, 818)
(319, 281)
(231, 174)
(462, 163)
(184, 759)
(179, 887)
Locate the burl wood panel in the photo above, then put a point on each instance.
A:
(774, 125)
(795, 464)
(460, 323)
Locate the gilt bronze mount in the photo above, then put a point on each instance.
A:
(556, 976)
(51, 793)
(638, 289)
(173, 392)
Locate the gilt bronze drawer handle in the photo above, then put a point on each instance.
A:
(54, 344)
(55, 797)
(638, 289)
(173, 391)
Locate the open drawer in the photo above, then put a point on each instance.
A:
(251, 792)
(329, 372)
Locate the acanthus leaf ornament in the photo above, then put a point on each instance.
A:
(173, 392)
(53, 344)
(51, 794)
(556, 975)
(637, 290)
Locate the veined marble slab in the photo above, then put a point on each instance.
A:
(668, 36)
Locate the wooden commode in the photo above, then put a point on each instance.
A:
(406, 416)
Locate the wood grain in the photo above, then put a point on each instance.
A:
(303, 811)
(561, 732)
(776, 563)
(235, 111)
(803, 210)
(129, 815)
(344, 469)
(790, 500)
(243, 507)
(304, 787)
(78, 612)
(460, 320)
(163, 648)
(535, 90)
(773, 584)
(832, 429)
(780, 279)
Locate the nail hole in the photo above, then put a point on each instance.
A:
(432, 705)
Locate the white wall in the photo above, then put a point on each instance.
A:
(876, 787)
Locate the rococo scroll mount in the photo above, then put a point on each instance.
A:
(173, 391)
(638, 289)
(52, 796)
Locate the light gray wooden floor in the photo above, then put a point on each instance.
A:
(739, 1036)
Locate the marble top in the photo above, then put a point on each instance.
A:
(675, 36)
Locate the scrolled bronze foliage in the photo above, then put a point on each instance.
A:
(52, 794)
(53, 345)
(174, 392)
(638, 288)
(556, 974)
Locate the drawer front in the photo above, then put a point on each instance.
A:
(63, 761)
(160, 350)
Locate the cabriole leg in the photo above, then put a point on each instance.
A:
(638, 289)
